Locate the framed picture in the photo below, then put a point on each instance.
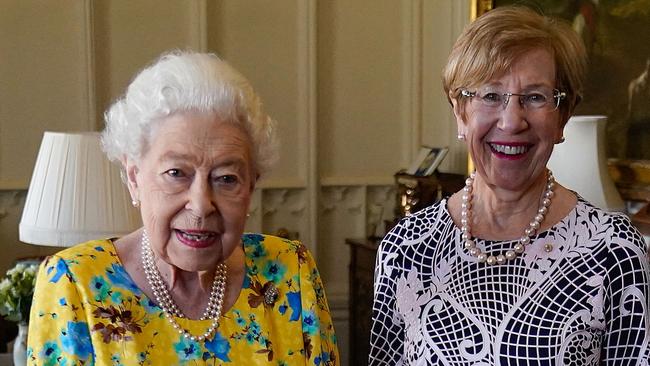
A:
(615, 34)
(427, 160)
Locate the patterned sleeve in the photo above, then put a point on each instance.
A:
(58, 332)
(627, 300)
(317, 328)
(387, 331)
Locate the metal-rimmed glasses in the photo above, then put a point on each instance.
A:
(540, 99)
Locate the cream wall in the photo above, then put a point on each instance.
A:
(354, 85)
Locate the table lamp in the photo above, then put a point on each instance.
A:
(76, 194)
(580, 163)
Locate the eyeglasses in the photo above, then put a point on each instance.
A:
(493, 100)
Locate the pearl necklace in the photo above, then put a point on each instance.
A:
(466, 215)
(165, 301)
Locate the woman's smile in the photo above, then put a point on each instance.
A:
(196, 238)
(509, 151)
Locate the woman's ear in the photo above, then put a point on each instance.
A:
(254, 181)
(131, 174)
(459, 114)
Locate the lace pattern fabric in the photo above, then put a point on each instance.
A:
(584, 303)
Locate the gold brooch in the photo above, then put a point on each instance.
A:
(271, 293)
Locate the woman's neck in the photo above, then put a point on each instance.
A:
(190, 297)
(499, 214)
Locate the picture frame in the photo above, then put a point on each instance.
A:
(619, 69)
(427, 161)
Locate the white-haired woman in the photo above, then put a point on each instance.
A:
(189, 286)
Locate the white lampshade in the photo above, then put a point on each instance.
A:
(580, 163)
(76, 194)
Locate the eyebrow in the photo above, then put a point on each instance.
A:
(172, 155)
(530, 86)
(177, 156)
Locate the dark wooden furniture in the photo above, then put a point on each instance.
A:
(362, 266)
(417, 192)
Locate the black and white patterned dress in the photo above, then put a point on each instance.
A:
(587, 302)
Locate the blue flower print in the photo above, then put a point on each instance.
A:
(187, 349)
(219, 346)
(61, 270)
(310, 323)
(255, 328)
(76, 339)
(283, 308)
(51, 353)
(247, 282)
(116, 297)
(63, 302)
(99, 249)
(118, 276)
(99, 288)
(240, 321)
(296, 305)
(263, 341)
(252, 271)
(274, 271)
(253, 246)
(149, 306)
(252, 239)
(322, 359)
(142, 356)
(257, 252)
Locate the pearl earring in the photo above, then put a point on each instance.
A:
(461, 137)
(135, 203)
(562, 139)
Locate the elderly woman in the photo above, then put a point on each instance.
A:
(189, 286)
(514, 269)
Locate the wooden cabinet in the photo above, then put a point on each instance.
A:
(362, 266)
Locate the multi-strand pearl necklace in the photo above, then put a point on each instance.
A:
(466, 218)
(169, 307)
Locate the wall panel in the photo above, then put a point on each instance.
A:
(359, 88)
(43, 77)
(132, 34)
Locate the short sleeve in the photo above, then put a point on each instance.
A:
(58, 330)
(317, 326)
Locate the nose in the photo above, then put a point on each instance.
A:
(201, 200)
(513, 116)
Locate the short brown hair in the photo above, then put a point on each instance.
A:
(493, 42)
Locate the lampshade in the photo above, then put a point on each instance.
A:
(75, 194)
(580, 163)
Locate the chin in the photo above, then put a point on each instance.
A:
(195, 264)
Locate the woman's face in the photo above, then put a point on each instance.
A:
(510, 145)
(194, 184)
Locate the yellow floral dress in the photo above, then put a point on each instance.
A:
(88, 311)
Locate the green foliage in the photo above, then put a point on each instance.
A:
(16, 291)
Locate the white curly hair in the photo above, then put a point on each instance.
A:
(187, 81)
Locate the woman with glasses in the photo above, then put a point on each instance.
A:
(515, 269)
